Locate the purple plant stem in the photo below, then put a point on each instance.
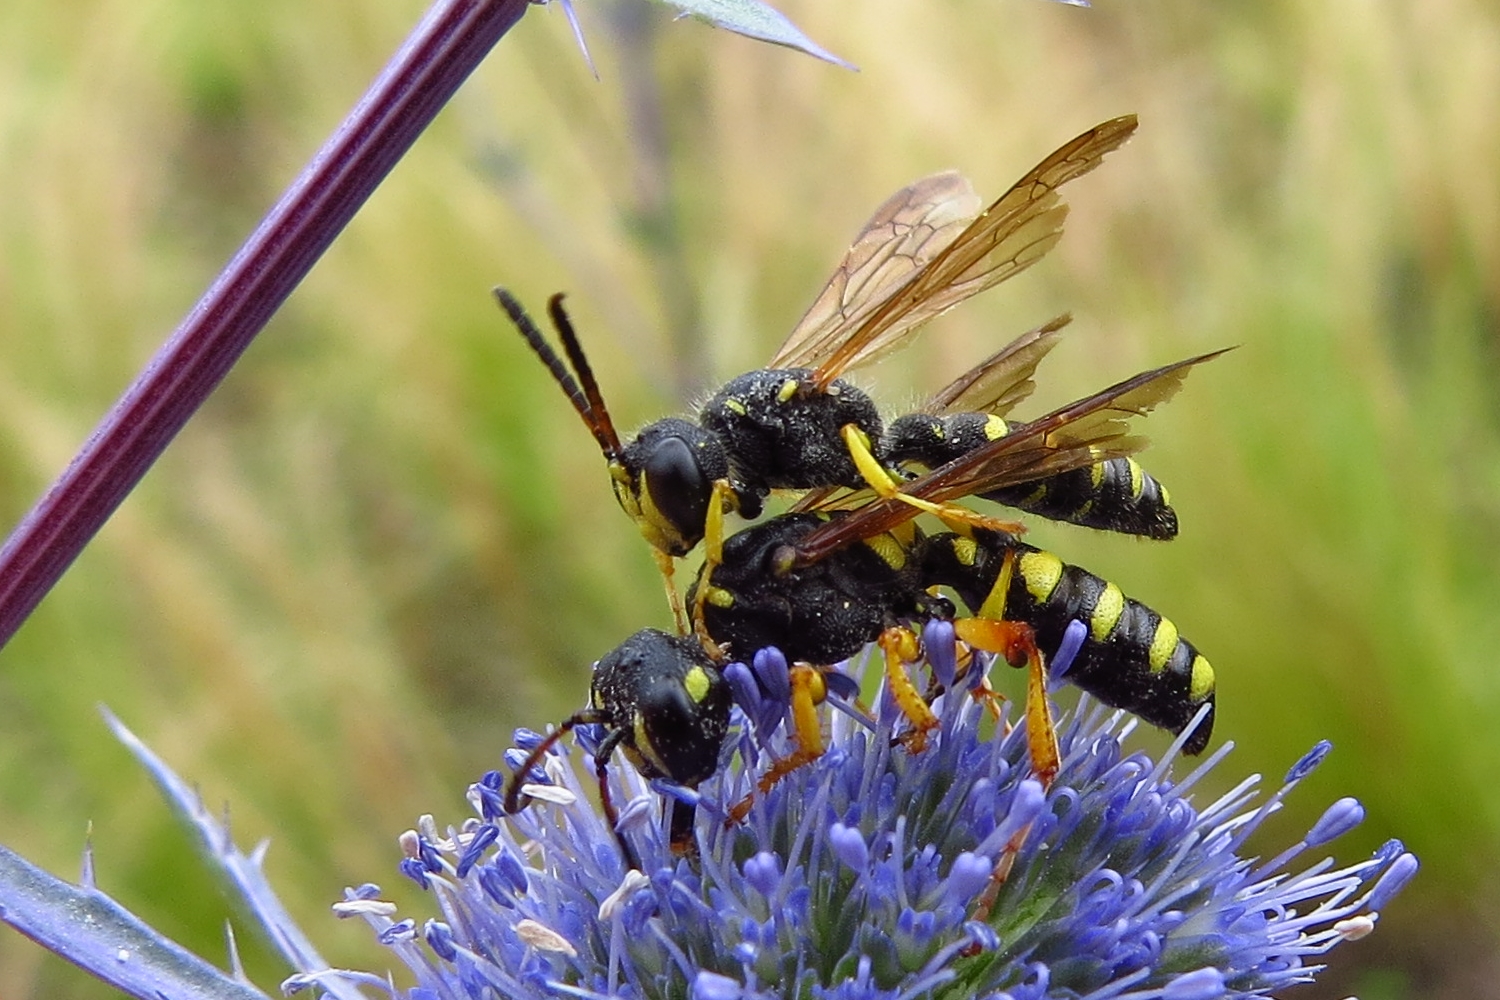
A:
(438, 56)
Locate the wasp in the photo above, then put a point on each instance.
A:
(820, 586)
(1020, 601)
(662, 701)
(798, 425)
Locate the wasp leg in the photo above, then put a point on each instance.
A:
(668, 567)
(684, 844)
(886, 486)
(1017, 643)
(606, 801)
(713, 557)
(808, 691)
(902, 647)
(986, 901)
(980, 690)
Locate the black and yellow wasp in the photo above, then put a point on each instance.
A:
(797, 425)
(819, 586)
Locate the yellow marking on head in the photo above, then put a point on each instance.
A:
(965, 550)
(888, 549)
(635, 500)
(654, 526)
(735, 405)
(1096, 474)
(719, 597)
(787, 391)
(995, 428)
(1137, 478)
(1202, 684)
(1106, 613)
(1163, 645)
(697, 684)
(1041, 571)
(639, 748)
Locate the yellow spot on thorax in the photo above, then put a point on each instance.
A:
(890, 551)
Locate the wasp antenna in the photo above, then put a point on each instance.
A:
(512, 802)
(602, 426)
(560, 374)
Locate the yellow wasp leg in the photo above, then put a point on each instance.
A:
(668, 567)
(901, 647)
(886, 486)
(1003, 866)
(713, 557)
(1041, 731)
(808, 692)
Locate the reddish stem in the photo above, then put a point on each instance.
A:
(437, 57)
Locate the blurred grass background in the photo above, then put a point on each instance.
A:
(387, 540)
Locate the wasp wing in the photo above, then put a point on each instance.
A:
(1003, 379)
(1080, 434)
(901, 238)
(1008, 237)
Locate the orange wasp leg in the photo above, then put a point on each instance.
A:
(1016, 642)
(808, 691)
(901, 647)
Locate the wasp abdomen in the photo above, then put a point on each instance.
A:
(1132, 658)
(1114, 495)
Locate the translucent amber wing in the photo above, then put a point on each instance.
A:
(903, 235)
(1003, 379)
(1080, 434)
(1001, 242)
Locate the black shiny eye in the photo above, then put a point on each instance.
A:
(677, 484)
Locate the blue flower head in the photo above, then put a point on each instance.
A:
(880, 873)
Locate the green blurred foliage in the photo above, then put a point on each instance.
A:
(387, 540)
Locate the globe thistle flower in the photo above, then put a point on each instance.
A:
(877, 872)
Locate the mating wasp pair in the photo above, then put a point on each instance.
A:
(824, 584)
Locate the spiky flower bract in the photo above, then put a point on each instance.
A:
(878, 872)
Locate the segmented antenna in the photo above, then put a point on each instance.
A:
(586, 399)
